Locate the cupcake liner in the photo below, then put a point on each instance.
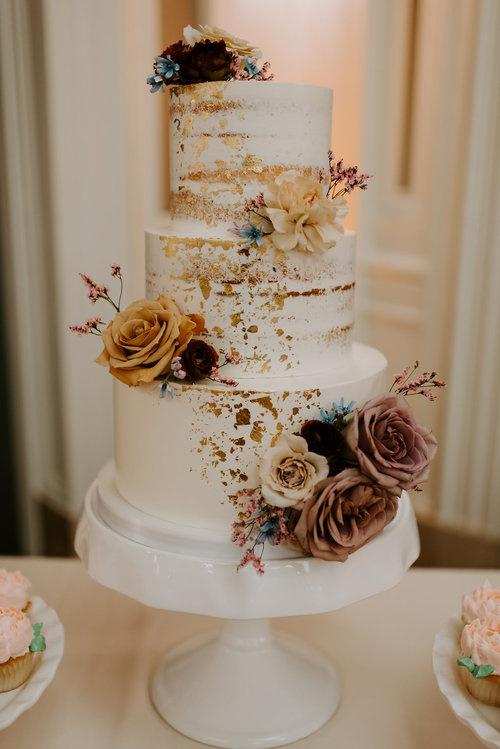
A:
(16, 671)
(485, 690)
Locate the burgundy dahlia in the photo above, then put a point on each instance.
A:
(204, 61)
(199, 359)
(325, 439)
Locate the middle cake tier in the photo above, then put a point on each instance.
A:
(285, 314)
(182, 459)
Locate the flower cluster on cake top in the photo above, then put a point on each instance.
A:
(152, 340)
(207, 53)
(298, 212)
(334, 484)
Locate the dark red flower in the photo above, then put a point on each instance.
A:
(325, 439)
(199, 359)
(204, 61)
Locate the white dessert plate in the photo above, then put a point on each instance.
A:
(14, 703)
(483, 720)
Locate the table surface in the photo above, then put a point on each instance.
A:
(382, 647)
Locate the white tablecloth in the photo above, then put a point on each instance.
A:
(382, 647)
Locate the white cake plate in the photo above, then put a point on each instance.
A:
(247, 688)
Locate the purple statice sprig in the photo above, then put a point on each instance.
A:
(96, 291)
(91, 326)
(255, 205)
(338, 413)
(344, 179)
(258, 524)
(407, 382)
(231, 358)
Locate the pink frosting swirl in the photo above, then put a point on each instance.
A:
(16, 634)
(481, 643)
(15, 590)
(484, 604)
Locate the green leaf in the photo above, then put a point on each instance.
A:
(38, 643)
(467, 663)
(477, 671)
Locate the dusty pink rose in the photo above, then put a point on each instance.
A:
(346, 511)
(388, 444)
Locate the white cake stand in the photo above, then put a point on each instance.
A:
(247, 688)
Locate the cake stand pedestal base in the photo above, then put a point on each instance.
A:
(248, 688)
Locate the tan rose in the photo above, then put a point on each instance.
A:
(214, 34)
(141, 341)
(289, 472)
(302, 217)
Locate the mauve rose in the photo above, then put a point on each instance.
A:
(345, 512)
(388, 444)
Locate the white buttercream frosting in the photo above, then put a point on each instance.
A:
(15, 590)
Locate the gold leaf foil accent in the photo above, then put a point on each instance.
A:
(267, 403)
(205, 287)
(174, 244)
(249, 170)
(257, 431)
(278, 434)
(242, 417)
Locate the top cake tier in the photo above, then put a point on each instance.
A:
(229, 138)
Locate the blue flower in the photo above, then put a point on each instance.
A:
(269, 530)
(166, 67)
(338, 411)
(166, 390)
(251, 232)
(250, 66)
(156, 82)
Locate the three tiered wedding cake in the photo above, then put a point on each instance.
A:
(240, 399)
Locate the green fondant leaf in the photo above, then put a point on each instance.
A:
(468, 663)
(38, 643)
(483, 671)
(477, 671)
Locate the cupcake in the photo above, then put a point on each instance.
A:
(484, 604)
(20, 641)
(480, 661)
(15, 591)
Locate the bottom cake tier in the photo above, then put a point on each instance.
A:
(182, 459)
